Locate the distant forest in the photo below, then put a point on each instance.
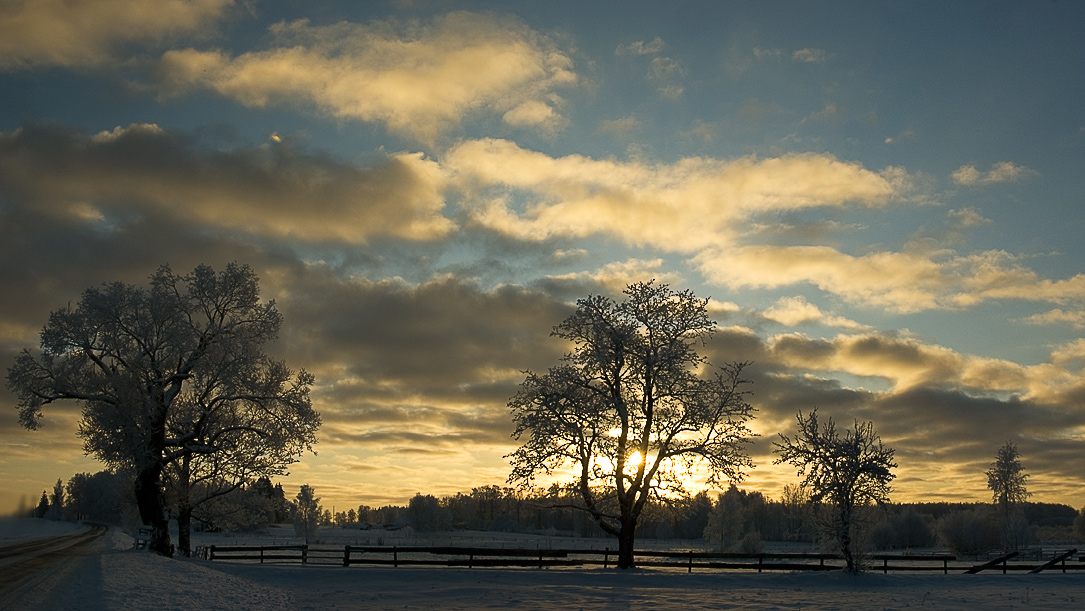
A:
(736, 520)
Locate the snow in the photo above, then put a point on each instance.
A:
(115, 577)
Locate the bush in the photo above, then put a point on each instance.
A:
(969, 532)
(751, 543)
(902, 530)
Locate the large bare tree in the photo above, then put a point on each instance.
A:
(844, 471)
(172, 370)
(633, 409)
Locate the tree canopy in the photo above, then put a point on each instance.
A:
(171, 371)
(630, 409)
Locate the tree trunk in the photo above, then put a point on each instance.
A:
(184, 509)
(845, 540)
(151, 508)
(625, 544)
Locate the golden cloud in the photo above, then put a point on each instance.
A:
(1003, 171)
(419, 80)
(78, 33)
(685, 206)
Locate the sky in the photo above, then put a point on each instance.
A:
(882, 201)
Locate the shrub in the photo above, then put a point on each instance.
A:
(968, 532)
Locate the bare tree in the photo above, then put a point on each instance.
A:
(845, 471)
(141, 362)
(1006, 479)
(628, 410)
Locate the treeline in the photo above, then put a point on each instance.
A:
(107, 497)
(736, 520)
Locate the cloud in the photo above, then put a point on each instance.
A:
(928, 412)
(271, 190)
(1003, 171)
(905, 282)
(1075, 318)
(763, 53)
(420, 80)
(809, 56)
(444, 342)
(93, 33)
(681, 207)
(640, 47)
(795, 311)
(622, 126)
(615, 277)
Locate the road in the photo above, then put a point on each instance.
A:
(29, 568)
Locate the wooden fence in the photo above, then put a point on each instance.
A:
(472, 557)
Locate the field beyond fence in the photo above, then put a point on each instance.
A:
(472, 557)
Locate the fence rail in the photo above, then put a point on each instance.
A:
(477, 557)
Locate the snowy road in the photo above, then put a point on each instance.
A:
(27, 567)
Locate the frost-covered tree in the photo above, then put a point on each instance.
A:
(166, 371)
(307, 513)
(43, 505)
(844, 471)
(425, 513)
(1006, 479)
(630, 409)
(57, 501)
(236, 436)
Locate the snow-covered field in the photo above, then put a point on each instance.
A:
(114, 577)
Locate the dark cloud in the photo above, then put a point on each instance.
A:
(275, 191)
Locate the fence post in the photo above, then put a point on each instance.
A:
(212, 553)
(261, 554)
(346, 555)
(395, 557)
(690, 569)
(606, 557)
(945, 566)
(541, 561)
(760, 561)
(885, 566)
(305, 554)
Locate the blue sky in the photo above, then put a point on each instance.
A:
(882, 200)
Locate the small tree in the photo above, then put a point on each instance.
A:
(629, 410)
(1006, 479)
(57, 501)
(846, 472)
(307, 513)
(43, 505)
